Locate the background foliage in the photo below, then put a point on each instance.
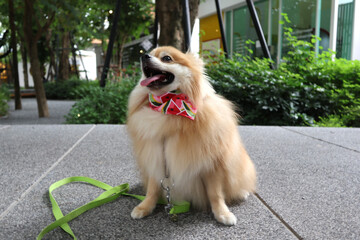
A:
(103, 105)
(4, 98)
(65, 89)
(303, 90)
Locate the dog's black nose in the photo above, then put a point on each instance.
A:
(145, 57)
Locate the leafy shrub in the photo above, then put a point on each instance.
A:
(4, 98)
(84, 89)
(304, 90)
(65, 89)
(263, 96)
(102, 105)
(349, 117)
(330, 121)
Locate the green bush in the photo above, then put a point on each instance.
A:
(4, 98)
(66, 89)
(263, 96)
(304, 90)
(84, 89)
(102, 105)
(348, 118)
(338, 82)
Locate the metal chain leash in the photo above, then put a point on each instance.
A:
(167, 186)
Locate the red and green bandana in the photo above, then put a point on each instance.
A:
(174, 103)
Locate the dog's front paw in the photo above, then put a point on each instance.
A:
(139, 212)
(244, 195)
(227, 218)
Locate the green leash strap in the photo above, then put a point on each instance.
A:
(110, 194)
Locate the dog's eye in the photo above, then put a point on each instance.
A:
(166, 59)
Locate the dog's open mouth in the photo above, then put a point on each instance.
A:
(156, 78)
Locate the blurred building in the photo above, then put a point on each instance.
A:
(336, 22)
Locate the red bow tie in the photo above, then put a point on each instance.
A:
(174, 103)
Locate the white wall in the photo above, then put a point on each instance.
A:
(88, 57)
(333, 24)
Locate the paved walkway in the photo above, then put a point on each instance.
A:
(29, 114)
(308, 185)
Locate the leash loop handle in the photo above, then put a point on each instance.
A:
(110, 194)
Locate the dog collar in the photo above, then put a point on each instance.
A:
(174, 103)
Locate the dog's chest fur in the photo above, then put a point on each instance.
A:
(166, 149)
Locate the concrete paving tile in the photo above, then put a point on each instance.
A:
(346, 137)
(113, 221)
(313, 185)
(105, 154)
(27, 151)
(29, 113)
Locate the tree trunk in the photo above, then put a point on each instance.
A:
(31, 41)
(38, 82)
(64, 70)
(121, 52)
(14, 70)
(173, 34)
(25, 65)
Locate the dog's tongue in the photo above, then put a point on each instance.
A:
(149, 80)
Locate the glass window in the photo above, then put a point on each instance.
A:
(228, 26)
(344, 29)
(302, 14)
(273, 43)
(325, 20)
(243, 28)
(210, 34)
(240, 30)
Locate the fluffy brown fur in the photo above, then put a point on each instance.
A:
(205, 157)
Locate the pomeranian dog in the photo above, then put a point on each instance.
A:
(183, 131)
